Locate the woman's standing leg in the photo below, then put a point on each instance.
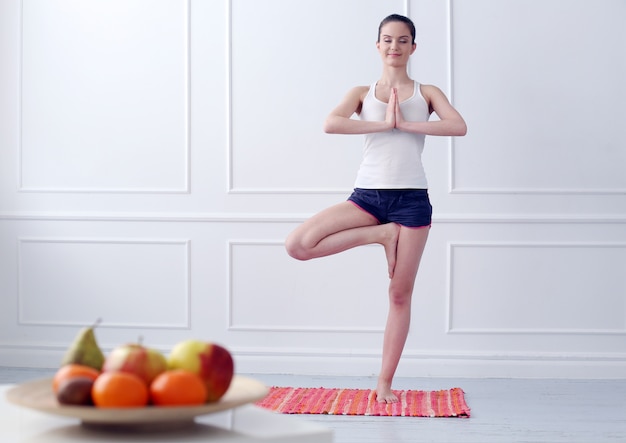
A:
(411, 243)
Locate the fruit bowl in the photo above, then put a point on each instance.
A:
(38, 395)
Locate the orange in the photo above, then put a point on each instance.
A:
(70, 371)
(119, 390)
(178, 387)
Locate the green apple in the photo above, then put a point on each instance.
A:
(212, 362)
(137, 359)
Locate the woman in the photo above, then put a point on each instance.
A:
(390, 204)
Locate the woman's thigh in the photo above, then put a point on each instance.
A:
(337, 218)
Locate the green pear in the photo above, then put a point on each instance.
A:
(85, 350)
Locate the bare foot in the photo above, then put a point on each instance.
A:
(391, 245)
(384, 393)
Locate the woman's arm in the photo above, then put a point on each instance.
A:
(339, 120)
(450, 121)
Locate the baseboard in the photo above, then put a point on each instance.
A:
(452, 365)
(366, 363)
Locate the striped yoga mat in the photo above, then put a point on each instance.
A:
(445, 403)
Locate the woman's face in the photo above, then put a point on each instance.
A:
(395, 43)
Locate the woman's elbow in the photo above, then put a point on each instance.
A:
(333, 124)
(461, 129)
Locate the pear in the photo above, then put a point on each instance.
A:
(85, 350)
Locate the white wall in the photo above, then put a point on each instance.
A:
(155, 153)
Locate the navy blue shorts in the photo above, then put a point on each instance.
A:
(407, 207)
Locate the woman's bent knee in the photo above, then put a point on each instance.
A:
(295, 249)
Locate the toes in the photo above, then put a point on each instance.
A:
(386, 398)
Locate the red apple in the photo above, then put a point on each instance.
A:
(134, 358)
(212, 362)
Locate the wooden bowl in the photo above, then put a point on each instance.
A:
(38, 395)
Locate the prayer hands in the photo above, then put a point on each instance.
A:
(394, 116)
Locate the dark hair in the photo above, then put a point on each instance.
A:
(398, 18)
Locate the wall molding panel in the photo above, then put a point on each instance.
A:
(558, 268)
(240, 166)
(85, 125)
(72, 282)
(595, 173)
(300, 299)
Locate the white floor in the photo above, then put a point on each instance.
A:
(503, 410)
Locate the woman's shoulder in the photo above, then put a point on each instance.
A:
(429, 90)
(359, 91)
(356, 95)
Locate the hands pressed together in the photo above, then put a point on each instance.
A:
(394, 115)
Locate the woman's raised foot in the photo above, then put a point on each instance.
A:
(390, 242)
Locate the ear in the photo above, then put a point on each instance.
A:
(414, 48)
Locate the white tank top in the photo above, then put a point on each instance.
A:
(393, 159)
